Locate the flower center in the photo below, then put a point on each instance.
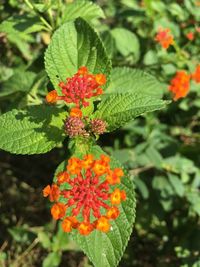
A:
(87, 195)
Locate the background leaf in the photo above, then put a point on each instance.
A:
(35, 130)
(53, 259)
(84, 9)
(127, 43)
(73, 45)
(21, 81)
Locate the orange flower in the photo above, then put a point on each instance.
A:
(123, 195)
(82, 70)
(101, 166)
(100, 79)
(46, 191)
(75, 112)
(58, 211)
(112, 213)
(74, 166)
(66, 225)
(180, 85)
(190, 36)
(52, 97)
(114, 176)
(196, 74)
(164, 37)
(85, 228)
(62, 177)
(69, 223)
(117, 196)
(53, 192)
(87, 161)
(102, 224)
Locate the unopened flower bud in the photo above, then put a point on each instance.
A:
(98, 126)
(74, 126)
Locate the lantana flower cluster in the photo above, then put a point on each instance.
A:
(180, 84)
(164, 37)
(79, 88)
(76, 90)
(85, 194)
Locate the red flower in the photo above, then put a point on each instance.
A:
(196, 75)
(180, 84)
(190, 36)
(87, 194)
(52, 97)
(164, 37)
(82, 86)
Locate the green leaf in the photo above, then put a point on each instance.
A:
(44, 239)
(109, 42)
(136, 81)
(20, 81)
(150, 58)
(154, 156)
(118, 109)
(107, 249)
(22, 25)
(176, 184)
(52, 260)
(142, 188)
(84, 9)
(35, 130)
(127, 43)
(73, 45)
(18, 29)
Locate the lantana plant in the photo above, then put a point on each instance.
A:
(91, 192)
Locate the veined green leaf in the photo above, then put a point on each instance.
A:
(20, 81)
(135, 81)
(118, 109)
(81, 8)
(18, 29)
(35, 130)
(106, 249)
(73, 45)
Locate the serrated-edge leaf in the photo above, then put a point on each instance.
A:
(124, 79)
(118, 109)
(86, 10)
(106, 249)
(99, 246)
(35, 130)
(73, 45)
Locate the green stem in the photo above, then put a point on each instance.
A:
(30, 5)
(59, 12)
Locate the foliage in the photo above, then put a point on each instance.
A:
(159, 150)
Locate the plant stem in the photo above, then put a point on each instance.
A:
(59, 12)
(30, 5)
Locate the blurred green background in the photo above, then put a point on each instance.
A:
(161, 150)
